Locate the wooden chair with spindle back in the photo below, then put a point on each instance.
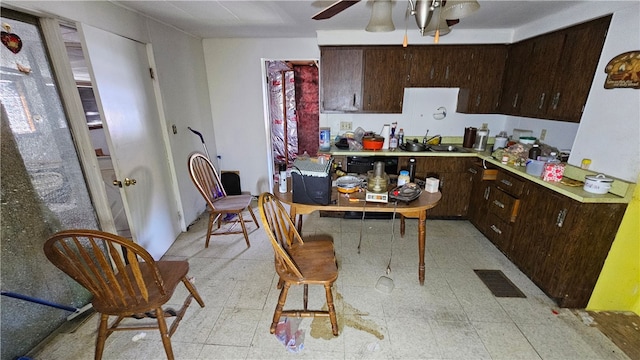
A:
(124, 279)
(206, 179)
(298, 262)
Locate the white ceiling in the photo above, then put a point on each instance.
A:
(292, 18)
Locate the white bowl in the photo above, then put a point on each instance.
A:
(527, 140)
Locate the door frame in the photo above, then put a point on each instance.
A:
(78, 126)
(77, 121)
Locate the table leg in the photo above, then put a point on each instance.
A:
(402, 225)
(422, 235)
(297, 221)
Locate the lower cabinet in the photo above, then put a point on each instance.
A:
(559, 243)
(455, 182)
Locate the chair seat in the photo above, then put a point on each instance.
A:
(232, 203)
(316, 260)
(171, 273)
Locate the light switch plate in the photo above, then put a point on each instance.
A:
(346, 125)
(543, 134)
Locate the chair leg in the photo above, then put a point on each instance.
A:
(332, 310)
(253, 216)
(279, 307)
(305, 297)
(164, 334)
(244, 229)
(102, 336)
(193, 291)
(212, 218)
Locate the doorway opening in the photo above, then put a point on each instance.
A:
(293, 114)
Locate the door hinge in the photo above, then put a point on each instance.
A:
(152, 73)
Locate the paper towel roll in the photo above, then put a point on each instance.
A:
(385, 134)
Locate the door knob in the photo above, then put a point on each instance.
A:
(127, 182)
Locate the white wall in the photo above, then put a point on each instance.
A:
(417, 116)
(234, 71)
(609, 132)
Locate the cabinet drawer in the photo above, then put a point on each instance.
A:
(499, 232)
(509, 184)
(503, 205)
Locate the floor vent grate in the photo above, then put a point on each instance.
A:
(499, 284)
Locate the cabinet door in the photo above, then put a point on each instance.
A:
(577, 69)
(385, 70)
(480, 191)
(480, 90)
(540, 69)
(545, 219)
(341, 79)
(514, 77)
(578, 256)
(455, 186)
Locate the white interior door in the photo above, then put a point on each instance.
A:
(125, 95)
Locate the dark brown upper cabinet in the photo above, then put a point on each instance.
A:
(341, 79)
(575, 72)
(546, 77)
(385, 70)
(550, 76)
(481, 84)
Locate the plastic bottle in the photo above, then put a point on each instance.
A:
(412, 170)
(393, 143)
(403, 178)
(534, 152)
(282, 181)
(401, 136)
(339, 170)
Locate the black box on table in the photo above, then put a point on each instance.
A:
(311, 182)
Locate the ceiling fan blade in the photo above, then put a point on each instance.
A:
(452, 22)
(334, 9)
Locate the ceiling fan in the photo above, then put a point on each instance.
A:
(447, 13)
(334, 9)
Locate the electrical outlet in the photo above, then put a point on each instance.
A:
(346, 125)
(543, 134)
(484, 125)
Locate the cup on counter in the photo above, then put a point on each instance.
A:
(469, 137)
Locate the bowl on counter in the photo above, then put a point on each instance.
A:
(527, 140)
(372, 142)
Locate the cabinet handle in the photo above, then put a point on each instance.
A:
(408, 78)
(487, 191)
(498, 204)
(472, 170)
(446, 73)
(431, 74)
(556, 101)
(495, 228)
(541, 101)
(506, 182)
(478, 98)
(354, 100)
(562, 214)
(515, 100)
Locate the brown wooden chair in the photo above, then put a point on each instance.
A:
(297, 262)
(206, 179)
(124, 279)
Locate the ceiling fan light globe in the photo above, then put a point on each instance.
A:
(457, 9)
(381, 20)
(437, 23)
